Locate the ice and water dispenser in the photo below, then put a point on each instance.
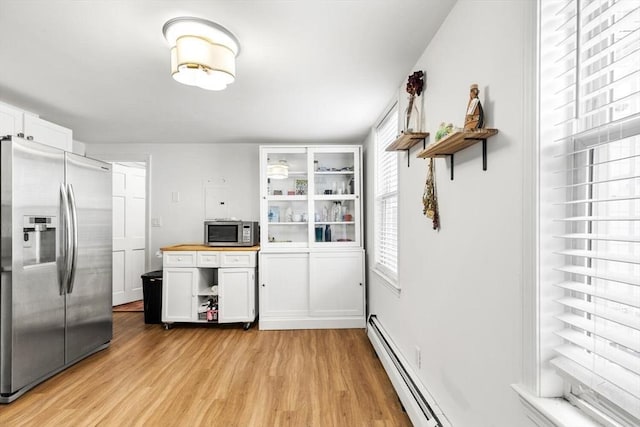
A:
(39, 239)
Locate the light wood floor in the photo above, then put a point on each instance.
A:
(211, 376)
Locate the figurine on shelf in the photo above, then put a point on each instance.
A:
(444, 130)
(415, 84)
(474, 119)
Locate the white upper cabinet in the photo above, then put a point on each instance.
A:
(48, 133)
(14, 121)
(10, 120)
(316, 203)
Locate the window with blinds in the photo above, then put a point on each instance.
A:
(386, 197)
(590, 108)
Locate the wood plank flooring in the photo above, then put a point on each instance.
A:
(216, 376)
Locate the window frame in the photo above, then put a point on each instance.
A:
(541, 390)
(389, 276)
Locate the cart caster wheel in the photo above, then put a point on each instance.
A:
(167, 326)
(246, 326)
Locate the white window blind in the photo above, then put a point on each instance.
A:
(590, 98)
(386, 197)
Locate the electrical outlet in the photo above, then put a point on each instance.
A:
(156, 222)
(175, 196)
(418, 355)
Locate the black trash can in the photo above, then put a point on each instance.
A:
(152, 296)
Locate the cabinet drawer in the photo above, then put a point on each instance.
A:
(209, 259)
(179, 259)
(238, 259)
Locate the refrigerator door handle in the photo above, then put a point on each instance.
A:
(66, 239)
(74, 238)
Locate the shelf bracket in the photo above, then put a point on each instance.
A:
(484, 157)
(484, 154)
(408, 157)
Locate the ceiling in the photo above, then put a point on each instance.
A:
(309, 70)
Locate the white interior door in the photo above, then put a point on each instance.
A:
(129, 184)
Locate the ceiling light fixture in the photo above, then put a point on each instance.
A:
(278, 170)
(203, 53)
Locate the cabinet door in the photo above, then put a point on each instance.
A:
(335, 195)
(284, 201)
(10, 120)
(237, 295)
(48, 133)
(178, 285)
(284, 285)
(337, 284)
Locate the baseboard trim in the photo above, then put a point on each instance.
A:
(417, 401)
(311, 323)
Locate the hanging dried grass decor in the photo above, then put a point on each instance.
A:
(430, 198)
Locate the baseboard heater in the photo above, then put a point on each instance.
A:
(419, 406)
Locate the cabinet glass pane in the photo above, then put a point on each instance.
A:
(316, 203)
(287, 220)
(295, 182)
(334, 173)
(336, 215)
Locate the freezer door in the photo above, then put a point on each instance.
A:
(31, 304)
(89, 316)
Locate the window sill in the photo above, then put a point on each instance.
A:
(552, 412)
(389, 283)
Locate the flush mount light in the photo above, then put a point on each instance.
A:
(203, 53)
(278, 170)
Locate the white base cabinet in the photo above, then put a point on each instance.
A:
(177, 293)
(237, 292)
(189, 278)
(284, 286)
(336, 287)
(312, 290)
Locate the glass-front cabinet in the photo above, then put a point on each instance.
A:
(310, 196)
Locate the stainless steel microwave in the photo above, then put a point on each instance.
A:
(231, 233)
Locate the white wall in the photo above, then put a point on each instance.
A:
(79, 147)
(186, 169)
(461, 287)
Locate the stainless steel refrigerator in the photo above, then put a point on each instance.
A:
(56, 290)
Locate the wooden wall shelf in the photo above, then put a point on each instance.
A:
(456, 141)
(406, 141)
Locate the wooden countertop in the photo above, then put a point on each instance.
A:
(200, 247)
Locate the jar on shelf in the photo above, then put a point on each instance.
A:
(413, 118)
(335, 212)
